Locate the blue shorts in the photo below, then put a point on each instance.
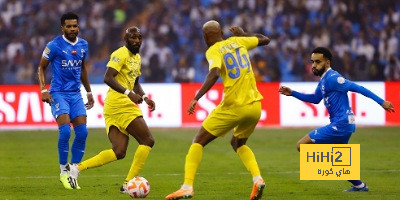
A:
(70, 103)
(332, 134)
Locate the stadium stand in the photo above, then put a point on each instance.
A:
(364, 35)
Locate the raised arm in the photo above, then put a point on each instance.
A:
(387, 105)
(238, 31)
(312, 98)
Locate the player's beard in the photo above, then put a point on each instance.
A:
(319, 72)
(133, 48)
(71, 36)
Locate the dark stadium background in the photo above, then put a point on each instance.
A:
(363, 35)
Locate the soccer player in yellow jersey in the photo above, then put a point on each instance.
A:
(240, 109)
(122, 115)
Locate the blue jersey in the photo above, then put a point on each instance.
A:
(66, 60)
(333, 89)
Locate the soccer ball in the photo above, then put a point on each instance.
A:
(138, 187)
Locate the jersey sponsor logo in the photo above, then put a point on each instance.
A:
(71, 63)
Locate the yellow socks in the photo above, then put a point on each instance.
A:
(138, 161)
(193, 159)
(249, 160)
(98, 160)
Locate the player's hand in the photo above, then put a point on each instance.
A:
(46, 97)
(150, 103)
(387, 105)
(90, 102)
(237, 31)
(135, 98)
(192, 106)
(285, 91)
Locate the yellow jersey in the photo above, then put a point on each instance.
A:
(232, 57)
(128, 65)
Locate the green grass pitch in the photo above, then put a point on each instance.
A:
(29, 166)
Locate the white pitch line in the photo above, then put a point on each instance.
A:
(180, 174)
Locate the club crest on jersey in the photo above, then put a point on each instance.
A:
(82, 52)
(115, 59)
(340, 80)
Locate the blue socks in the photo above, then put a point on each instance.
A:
(63, 145)
(78, 146)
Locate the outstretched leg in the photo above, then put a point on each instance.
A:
(119, 145)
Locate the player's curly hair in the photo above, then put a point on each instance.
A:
(324, 51)
(68, 15)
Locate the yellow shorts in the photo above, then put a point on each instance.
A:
(120, 117)
(242, 119)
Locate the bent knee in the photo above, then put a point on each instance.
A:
(236, 146)
(120, 154)
(149, 142)
(298, 146)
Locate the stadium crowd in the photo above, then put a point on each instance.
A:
(363, 35)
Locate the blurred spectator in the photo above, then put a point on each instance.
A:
(392, 69)
(184, 73)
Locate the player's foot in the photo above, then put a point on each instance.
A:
(354, 189)
(181, 194)
(124, 188)
(258, 188)
(64, 181)
(73, 176)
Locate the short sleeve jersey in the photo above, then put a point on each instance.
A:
(128, 65)
(66, 60)
(231, 56)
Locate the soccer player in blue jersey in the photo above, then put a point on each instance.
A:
(333, 89)
(66, 54)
